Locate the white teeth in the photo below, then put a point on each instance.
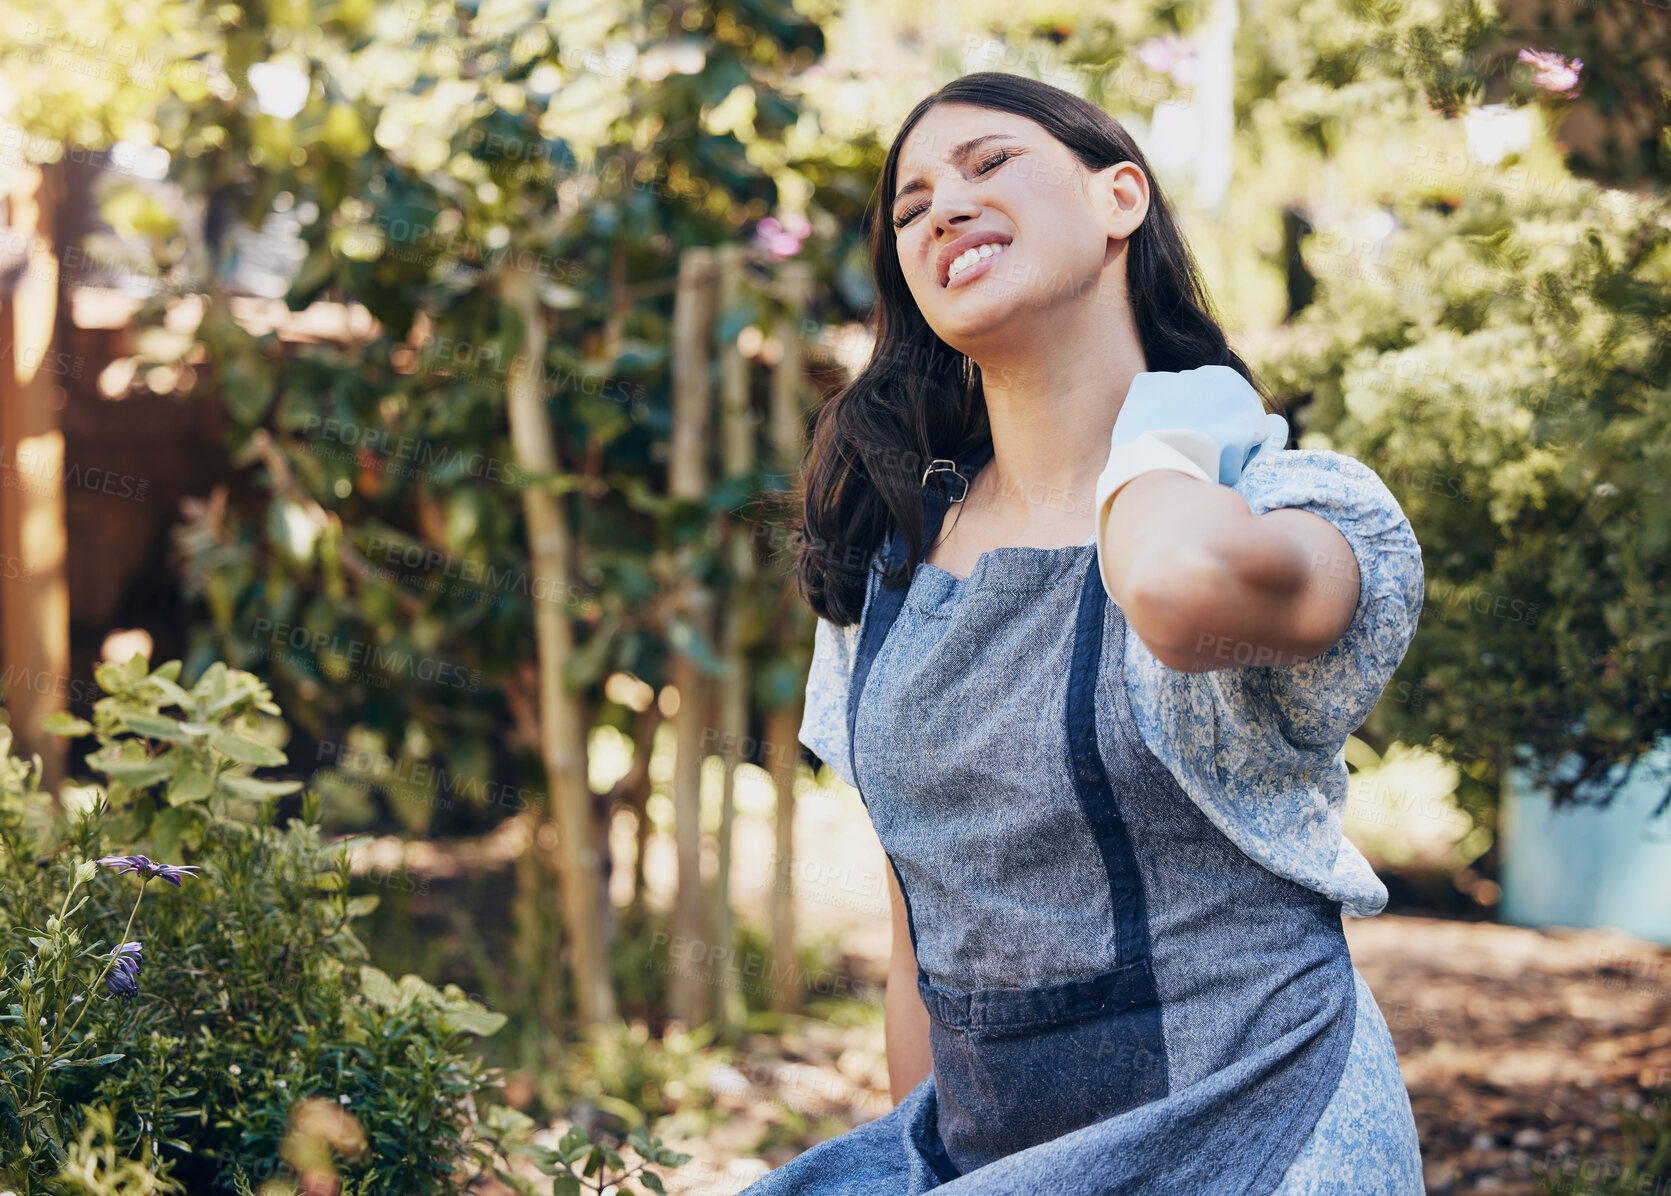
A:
(970, 256)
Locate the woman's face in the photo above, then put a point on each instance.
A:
(971, 177)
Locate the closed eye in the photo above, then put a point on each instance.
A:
(988, 164)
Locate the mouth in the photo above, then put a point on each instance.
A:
(973, 260)
(971, 264)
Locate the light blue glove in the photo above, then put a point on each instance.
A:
(1207, 422)
(1211, 399)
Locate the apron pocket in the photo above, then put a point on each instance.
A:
(1014, 1067)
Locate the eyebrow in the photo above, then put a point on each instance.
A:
(959, 152)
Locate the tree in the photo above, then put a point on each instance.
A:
(501, 196)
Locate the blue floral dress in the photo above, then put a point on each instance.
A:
(1124, 883)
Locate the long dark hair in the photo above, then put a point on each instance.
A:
(918, 398)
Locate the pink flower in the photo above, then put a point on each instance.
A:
(1170, 54)
(1553, 72)
(782, 238)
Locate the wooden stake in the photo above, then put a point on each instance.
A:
(34, 593)
(737, 448)
(689, 993)
(562, 714)
(788, 442)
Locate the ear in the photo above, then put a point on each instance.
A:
(1123, 191)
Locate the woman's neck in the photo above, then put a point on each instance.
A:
(1052, 416)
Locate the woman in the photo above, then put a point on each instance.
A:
(1100, 740)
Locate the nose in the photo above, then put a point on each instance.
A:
(950, 213)
(952, 225)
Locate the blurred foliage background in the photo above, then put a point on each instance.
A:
(504, 322)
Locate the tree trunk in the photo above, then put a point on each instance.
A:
(689, 995)
(788, 440)
(737, 455)
(562, 730)
(34, 593)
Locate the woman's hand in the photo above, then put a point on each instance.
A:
(1212, 414)
(1205, 583)
(1208, 422)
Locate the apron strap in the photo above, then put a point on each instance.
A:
(883, 604)
(880, 612)
(1096, 794)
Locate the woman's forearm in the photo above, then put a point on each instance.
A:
(1207, 584)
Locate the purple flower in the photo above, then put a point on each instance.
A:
(123, 980)
(1552, 72)
(146, 869)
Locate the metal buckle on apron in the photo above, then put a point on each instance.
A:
(947, 465)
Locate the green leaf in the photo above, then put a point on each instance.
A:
(247, 384)
(190, 784)
(230, 698)
(506, 1122)
(624, 1109)
(135, 773)
(588, 662)
(100, 1061)
(481, 1022)
(573, 1143)
(245, 786)
(685, 636)
(155, 727)
(358, 907)
(377, 987)
(245, 750)
(652, 1181)
(172, 694)
(316, 272)
(518, 1183)
(734, 320)
(547, 1160)
(170, 827)
(565, 1185)
(62, 722)
(110, 677)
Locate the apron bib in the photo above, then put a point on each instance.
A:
(1119, 999)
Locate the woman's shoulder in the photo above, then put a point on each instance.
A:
(1308, 476)
(823, 728)
(1258, 747)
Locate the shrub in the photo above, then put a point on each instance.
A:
(1501, 363)
(254, 1043)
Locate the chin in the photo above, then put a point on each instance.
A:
(971, 317)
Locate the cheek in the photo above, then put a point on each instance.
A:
(1059, 232)
(916, 261)
(1050, 210)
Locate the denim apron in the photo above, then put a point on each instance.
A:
(1119, 999)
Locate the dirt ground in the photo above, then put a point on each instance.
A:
(1520, 1047)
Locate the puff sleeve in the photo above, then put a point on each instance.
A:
(824, 718)
(1319, 702)
(1260, 749)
